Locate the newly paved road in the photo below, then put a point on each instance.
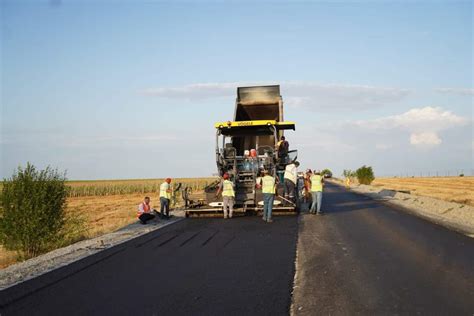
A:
(366, 258)
(241, 266)
(362, 257)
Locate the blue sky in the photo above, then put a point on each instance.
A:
(130, 89)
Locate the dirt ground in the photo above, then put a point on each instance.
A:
(103, 214)
(452, 189)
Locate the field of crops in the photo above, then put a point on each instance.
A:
(120, 187)
(452, 189)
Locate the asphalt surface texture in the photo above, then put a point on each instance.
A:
(239, 266)
(364, 257)
(361, 257)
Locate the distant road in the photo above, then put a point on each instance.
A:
(360, 258)
(367, 258)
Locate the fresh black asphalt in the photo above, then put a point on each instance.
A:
(241, 266)
(366, 258)
(362, 257)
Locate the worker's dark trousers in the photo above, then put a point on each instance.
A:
(145, 217)
(164, 206)
(289, 189)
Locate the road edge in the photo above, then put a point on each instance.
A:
(62, 257)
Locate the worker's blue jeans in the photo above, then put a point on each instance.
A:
(317, 199)
(164, 207)
(268, 205)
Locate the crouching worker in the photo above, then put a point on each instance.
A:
(165, 197)
(144, 211)
(228, 195)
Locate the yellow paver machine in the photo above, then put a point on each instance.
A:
(244, 148)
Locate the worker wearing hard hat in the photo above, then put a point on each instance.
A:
(290, 177)
(144, 211)
(228, 195)
(317, 182)
(165, 197)
(268, 184)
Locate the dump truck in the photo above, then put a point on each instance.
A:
(244, 148)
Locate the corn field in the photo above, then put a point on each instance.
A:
(119, 187)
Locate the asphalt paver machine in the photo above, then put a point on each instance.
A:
(244, 148)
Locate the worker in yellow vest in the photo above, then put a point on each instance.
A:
(268, 184)
(317, 182)
(348, 182)
(144, 211)
(165, 197)
(290, 179)
(228, 195)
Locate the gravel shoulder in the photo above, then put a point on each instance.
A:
(61, 257)
(456, 216)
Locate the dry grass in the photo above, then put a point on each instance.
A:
(102, 214)
(452, 189)
(6, 257)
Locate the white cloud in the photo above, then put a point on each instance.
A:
(428, 138)
(461, 91)
(307, 95)
(423, 124)
(194, 91)
(418, 119)
(327, 96)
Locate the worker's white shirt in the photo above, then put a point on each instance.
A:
(141, 208)
(291, 173)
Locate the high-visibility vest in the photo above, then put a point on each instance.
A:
(228, 188)
(290, 173)
(146, 208)
(316, 183)
(164, 187)
(268, 184)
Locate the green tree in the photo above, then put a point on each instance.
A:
(347, 173)
(326, 173)
(32, 213)
(365, 175)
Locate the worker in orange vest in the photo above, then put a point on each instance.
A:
(144, 211)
